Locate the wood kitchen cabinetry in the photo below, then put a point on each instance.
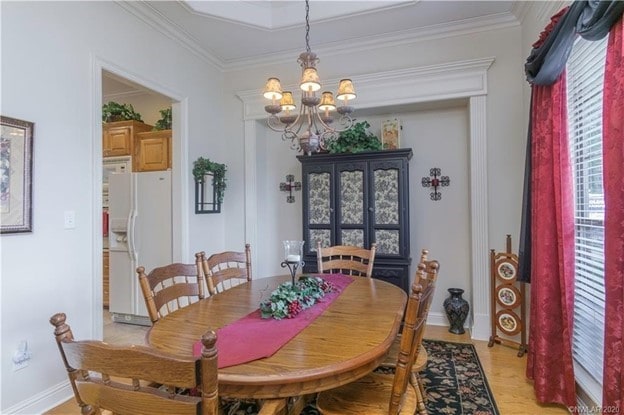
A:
(105, 273)
(358, 199)
(152, 151)
(118, 137)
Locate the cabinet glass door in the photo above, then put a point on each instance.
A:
(386, 207)
(319, 212)
(352, 201)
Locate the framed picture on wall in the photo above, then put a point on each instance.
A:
(391, 134)
(16, 140)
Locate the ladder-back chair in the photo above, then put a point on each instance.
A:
(346, 259)
(226, 269)
(138, 380)
(379, 393)
(171, 287)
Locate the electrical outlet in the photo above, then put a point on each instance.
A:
(21, 357)
(70, 219)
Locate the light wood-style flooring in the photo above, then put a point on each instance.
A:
(504, 370)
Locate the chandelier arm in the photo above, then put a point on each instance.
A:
(345, 121)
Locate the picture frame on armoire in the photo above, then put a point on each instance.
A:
(16, 146)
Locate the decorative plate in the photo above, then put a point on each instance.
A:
(508, 296)
(508, 322)
(507, 269)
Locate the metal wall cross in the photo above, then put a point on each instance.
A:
(435, 182)
(289, 186)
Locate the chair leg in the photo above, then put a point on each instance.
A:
(421, 396)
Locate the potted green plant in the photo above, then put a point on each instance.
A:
(165, 120)
(114, 111)
(355, 140)
(202, 166)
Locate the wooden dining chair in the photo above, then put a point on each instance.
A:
(171, 287)
(380, 393)
(226, 269)
(135, 380)
(346, 259)
(430, 269)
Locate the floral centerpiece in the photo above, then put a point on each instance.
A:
(288, 300)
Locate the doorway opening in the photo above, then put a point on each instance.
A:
(137, 168)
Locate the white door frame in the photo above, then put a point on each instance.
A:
(180, 176)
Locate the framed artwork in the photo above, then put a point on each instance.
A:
(508, 322)
(508, 296)
(507, 270)
(391, 134)
(16, 140)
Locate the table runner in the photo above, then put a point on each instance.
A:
(252, 337)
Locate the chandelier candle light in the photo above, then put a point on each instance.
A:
(309, 130)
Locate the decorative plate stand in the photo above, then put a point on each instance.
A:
(507, 299)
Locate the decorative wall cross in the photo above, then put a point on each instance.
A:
(434, 182)
(289, 186)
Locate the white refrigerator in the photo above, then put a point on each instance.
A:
(139, 209)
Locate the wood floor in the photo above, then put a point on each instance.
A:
(504, 370)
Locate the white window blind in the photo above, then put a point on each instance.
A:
(585, 74)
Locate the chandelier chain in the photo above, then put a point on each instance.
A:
(307, 18)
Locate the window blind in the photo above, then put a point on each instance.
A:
(585, 73)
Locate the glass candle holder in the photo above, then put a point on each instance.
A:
(293, 257)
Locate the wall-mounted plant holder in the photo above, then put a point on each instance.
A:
(209, 185)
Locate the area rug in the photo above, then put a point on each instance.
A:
(453, 379)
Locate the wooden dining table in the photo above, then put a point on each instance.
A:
(346, 342)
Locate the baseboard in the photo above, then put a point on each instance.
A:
(43, 401)
(440, 319)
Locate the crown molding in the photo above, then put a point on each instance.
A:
(156, 20)
(162, 24)
(445, 81)
(390, 39)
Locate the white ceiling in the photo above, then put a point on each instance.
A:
(235, 33)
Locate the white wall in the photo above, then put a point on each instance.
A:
(48, 55)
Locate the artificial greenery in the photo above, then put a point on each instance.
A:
(355, 140)
(202, 166)
(288, 300)
(113, 111)
(165, 120)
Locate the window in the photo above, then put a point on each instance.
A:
(585, 75)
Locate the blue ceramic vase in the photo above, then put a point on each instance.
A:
(456, 308)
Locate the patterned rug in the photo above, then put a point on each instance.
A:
(453, 379)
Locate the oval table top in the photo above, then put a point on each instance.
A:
(346, 342)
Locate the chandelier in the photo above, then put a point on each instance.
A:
(308, 130)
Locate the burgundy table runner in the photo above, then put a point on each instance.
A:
(252, 337)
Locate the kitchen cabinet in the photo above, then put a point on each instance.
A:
(118, 137)
(152, 151)
(105, 279)
(358, 199)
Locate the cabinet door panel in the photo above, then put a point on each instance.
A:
(351, 197)
(388, 242)
(386, 196)
(319, 235)
(354, 237)
(117, 141)
(389, 207)
(352, 202)
(319, 197)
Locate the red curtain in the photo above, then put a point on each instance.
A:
(613, 177)
(549, 362)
